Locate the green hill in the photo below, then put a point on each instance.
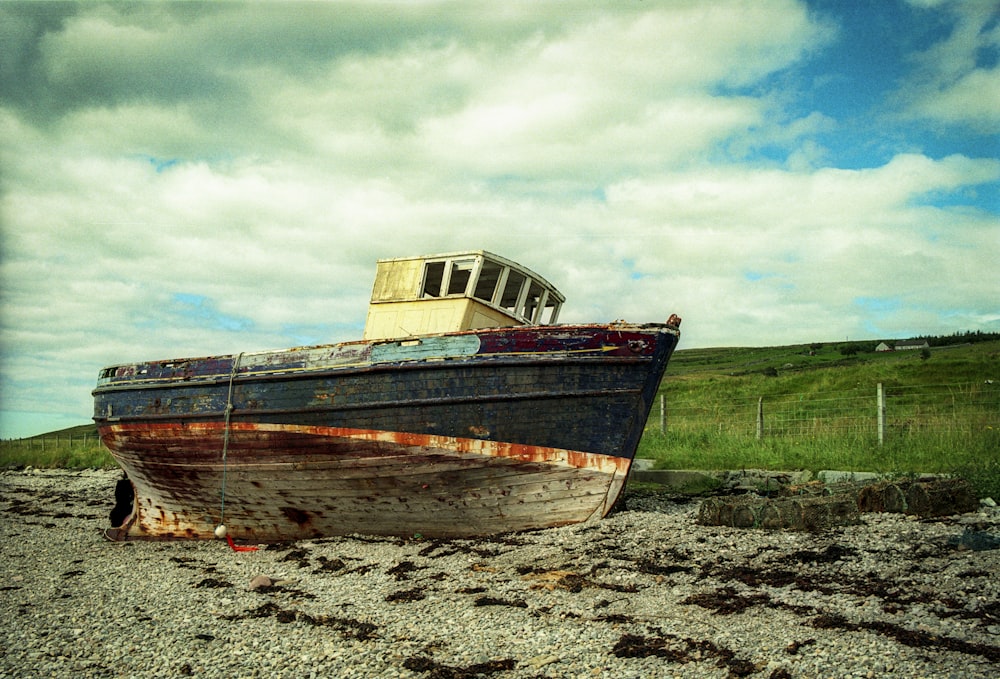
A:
(79, 431)
(802, 357)
(815, 407)
(818, 367)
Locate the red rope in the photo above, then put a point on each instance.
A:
(237, 548)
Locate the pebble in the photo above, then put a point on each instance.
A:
(646, 592)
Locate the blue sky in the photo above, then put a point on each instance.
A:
(190, 178)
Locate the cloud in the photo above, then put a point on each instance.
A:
(958, 79)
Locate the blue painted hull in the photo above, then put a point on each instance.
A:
(462, 434)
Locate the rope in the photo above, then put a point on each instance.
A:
(225, 437)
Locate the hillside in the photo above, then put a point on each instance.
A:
(736, 361)
(76, 432)
(720, 381)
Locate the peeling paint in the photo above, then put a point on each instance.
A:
(467, 434)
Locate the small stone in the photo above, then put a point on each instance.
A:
(259, 581)
(543, 660)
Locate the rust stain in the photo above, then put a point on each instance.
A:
(296, 516)
(448, 444)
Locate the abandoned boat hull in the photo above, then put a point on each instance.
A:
(462, 434)
(357, 481)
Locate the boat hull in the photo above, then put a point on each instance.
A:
(455, 435)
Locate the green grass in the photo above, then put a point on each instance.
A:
(936, 454)
(65, 449)
(943, 414)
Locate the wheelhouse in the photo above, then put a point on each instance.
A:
(457, 291)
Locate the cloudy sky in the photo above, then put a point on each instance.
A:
(190, 179)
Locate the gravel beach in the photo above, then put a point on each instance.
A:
(646, 592)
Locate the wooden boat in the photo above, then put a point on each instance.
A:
(464, 411)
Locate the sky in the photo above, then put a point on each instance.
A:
(188, 179)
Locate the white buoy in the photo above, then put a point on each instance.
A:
(220, 530)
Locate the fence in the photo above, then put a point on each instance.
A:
(872, 411)
(41, 442)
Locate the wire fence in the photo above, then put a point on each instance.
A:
(43, 442)
(877, 411)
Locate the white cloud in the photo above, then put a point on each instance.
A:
(223, 178)
(818, 239)
(952, 86)
(971, 99)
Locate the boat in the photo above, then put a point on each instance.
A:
(465, 410)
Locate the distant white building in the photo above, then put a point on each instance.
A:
(906, 345)
(882, 346)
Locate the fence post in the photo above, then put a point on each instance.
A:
(880, 395)
(663, 414)
(760, 418)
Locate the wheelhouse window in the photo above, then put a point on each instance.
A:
(533, 302)
(447, 277)
(498, 284)
(433, 276)
(459, 275)
(489, 277)
(511, 295)
(550, 311)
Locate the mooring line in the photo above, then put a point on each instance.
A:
(225, 438)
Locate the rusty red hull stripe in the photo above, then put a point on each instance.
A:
(200, 431)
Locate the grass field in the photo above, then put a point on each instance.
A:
(820, 411)
(73, 448)
(819, 404)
